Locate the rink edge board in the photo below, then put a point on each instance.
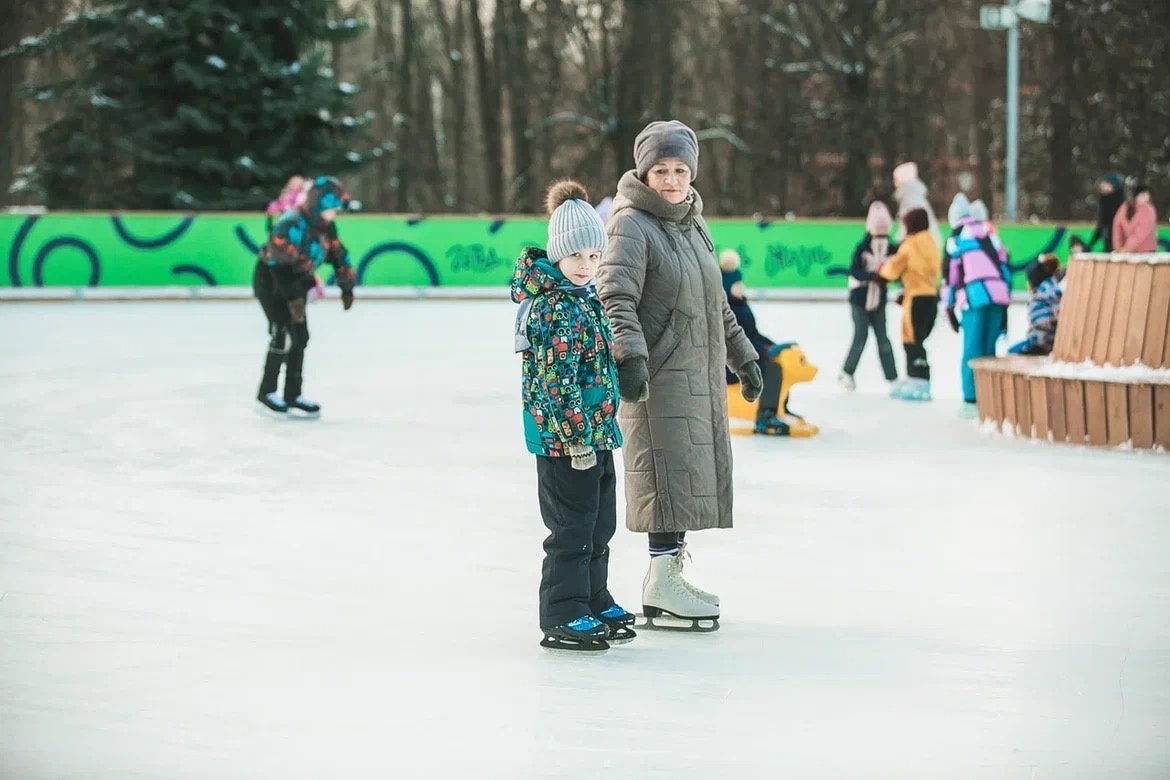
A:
(236, 293)
(120, 250)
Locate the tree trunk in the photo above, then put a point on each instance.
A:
(459, 107)
(11, 111)
(519, 85)
(488, 93)
(406, 96)
(855, 176)
(635, 76)
(384, 37)
(1063, 184)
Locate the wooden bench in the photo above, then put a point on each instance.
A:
(1107, 382)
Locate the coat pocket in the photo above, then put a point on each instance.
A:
(667, 343)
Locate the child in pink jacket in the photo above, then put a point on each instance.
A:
(1135, 228)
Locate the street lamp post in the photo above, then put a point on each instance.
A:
(1008, 18)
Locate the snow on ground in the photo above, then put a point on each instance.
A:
(190, 590)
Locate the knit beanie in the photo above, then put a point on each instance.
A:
(905, 173)
(660, 140)
(960, 209)
(1043, 267)
(877, 221)
(729, 260)
(573, 223)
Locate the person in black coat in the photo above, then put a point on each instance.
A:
(867, 295)
(767, 420)
(1110, 199)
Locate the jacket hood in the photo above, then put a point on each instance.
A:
(326, 193)
(534, 274)
(632, 192)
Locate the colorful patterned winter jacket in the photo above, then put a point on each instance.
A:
(569, 387)
(301, 241)
(978, 274)
(1043, 313)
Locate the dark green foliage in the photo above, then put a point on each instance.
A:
(193, 104)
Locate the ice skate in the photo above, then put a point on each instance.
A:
(846, 380)
(303, 408)
(666, 598)
(968, 411)
(585, 634)
(772, 426)
(619, 623)
(914, 390)
(272, 404)
(710, 598)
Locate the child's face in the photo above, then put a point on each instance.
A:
(581, 267)
(1142, 199)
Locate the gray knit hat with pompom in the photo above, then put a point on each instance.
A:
(573, 223)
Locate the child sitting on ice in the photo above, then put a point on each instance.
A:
(1043, 307)
(570, 394)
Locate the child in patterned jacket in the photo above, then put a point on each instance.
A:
(570, 423)
(1043, 307)
(301, 241)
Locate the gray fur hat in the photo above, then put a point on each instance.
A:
(659, 140)
(573, 223)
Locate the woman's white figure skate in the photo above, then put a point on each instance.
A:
(666, 598)
(710, 598)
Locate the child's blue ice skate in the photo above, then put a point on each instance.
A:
(619, 623)
(772, 426)
(584, 634)
(913, 390)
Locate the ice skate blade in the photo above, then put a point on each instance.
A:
(660, 620)
(299, 414)
(622, 635)
(272, 414)
(568, 647)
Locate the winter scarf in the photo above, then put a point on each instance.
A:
(874, 260)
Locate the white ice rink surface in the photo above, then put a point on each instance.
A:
(190, 590)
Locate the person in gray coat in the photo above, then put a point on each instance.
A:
(674, 333)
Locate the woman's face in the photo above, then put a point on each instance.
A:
(1141, 199)
(670, 178)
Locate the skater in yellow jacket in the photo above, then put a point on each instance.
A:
(918, 264)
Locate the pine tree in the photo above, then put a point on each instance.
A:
(194, 104)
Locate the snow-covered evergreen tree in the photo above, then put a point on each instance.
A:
(194, 104)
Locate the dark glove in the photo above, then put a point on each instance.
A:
(953, 320)
(634, 380)
(900, 299)
(347, 300)
(296, 309)
(583, 458)
(751, 381)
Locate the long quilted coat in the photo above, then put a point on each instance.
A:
(660, 285)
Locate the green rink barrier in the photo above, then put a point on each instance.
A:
(172, 249)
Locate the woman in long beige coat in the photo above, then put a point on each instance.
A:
(674, 332)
